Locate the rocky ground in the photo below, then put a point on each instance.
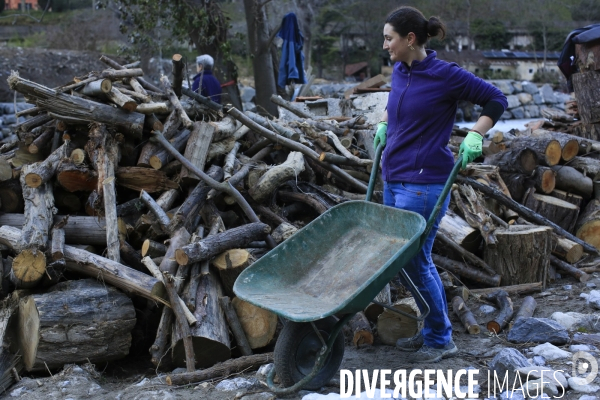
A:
(134, 378)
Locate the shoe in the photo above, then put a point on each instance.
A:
(428, 354)
(410, 344)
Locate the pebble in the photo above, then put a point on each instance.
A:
(590, 285)
(568, 287)
(539, 361)
(487, 309)
(579, 347)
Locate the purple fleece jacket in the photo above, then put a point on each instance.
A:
(421, 111)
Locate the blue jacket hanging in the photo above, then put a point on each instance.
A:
(291, 66)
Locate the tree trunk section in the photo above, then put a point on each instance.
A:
(230, 265)
(501, 299)
(392, 326)
(584, 85)
(588, 224)
(73, 177)
(571, 180)
(459, 231)
(522, 254)
(258, 41)
(259, 324)
(146, 179)
(361, 329)
(75, 322)
(562, 213)
(196, 150)
(373, 311)
(465, 315)
(212, 245)
(521, 160)
(570, 145)
(566, 249)
(210, 336)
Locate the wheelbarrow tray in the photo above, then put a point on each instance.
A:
(337, 264)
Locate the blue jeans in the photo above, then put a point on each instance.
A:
(421, 198)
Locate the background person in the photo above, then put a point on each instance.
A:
(416, 162)
(204, 79)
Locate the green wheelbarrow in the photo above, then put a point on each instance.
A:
(335, 265)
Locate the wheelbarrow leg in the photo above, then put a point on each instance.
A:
(319, 362)
(419, 298)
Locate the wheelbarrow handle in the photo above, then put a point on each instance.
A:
(373, 177)
(438, 204)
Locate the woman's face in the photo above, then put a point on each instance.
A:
(394, 44)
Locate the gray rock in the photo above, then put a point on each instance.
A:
(508, 360)
(506, 115)
(551, 352)
(513, 101)
(9, 119)
(525, 98)
(581, 385)
(504, 85)
(533, 110)
(532, 389)
(487, 309)
(518, 113)
(9, 108)
(579, 347)
(538, 330)
(587, 397)
(539, 360)
(548, 94)
(589, 323)
(556, 377)
(590, 284)
(229, 385)
(530, 88)
(538, 99)
(518, 86)
(568, 287)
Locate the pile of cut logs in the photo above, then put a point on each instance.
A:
(168, 196)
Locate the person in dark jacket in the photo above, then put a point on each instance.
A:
(205, 80)
(416, 162)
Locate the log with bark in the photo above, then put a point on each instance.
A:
(504, 302)
(522, 254)
(520, 160)
(68, 106)
(548, 151)
(526, 310)
(74, 322)
(235, 326)
(360, 329)
(562, 213)
(571, 145)
(465, 315)
(230, 265)
(459, 231)
(584, 84)
(196, 150)
(392, 326)
(242, 364)
(211, 246)
(588, 224)
(258, 324)
(568, 269)
(462, 269)
(571, 180)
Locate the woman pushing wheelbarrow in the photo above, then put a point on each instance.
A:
(415, 129)
(338, 263)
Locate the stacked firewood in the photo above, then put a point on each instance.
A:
(158, 191)
(168, 196)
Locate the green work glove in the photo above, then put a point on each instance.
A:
(380, 134)
(470, 148)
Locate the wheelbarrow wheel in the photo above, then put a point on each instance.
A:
(297, 349)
